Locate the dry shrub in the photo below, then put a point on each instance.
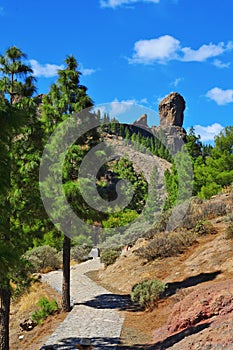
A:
(229, 232)
(205, 228)
(165, 245)
(200, 210)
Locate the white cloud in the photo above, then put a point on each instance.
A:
(2, 11)
(204, 52)
(115, 108)
(86, 71)
(161, 49)
(117, 3)
(144, 101)
(220, 64)
(208, 133)
(220, 96)
(176, 81)
(120, 107)
(166, 48)
(50, 70)
(44, 70)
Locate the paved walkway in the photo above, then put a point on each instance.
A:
(95, 314)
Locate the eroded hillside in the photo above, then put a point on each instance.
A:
(197, 310)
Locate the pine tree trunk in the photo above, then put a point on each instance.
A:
(4, 317)
(66, 275)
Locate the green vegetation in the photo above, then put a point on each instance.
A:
(108, 256)
(80, 253)
(147, 293)
(212, 167)
(46, 308)
(43, 259)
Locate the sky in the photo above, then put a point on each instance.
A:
(133, 52)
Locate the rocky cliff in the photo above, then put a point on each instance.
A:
(170, 131)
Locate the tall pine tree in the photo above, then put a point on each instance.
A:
(16, 88)
(65, 98)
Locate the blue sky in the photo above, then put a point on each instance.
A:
(133, 51)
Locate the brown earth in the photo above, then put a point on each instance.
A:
(196, 313)
(198, 308)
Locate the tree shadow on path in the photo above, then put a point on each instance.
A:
(71, 343)
(124, 303)
(112, 301)
(113, 343)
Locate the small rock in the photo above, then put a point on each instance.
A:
(36, 276)
(28, 325)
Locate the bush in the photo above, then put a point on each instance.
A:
(147, 293)
(160, 225)
(109, 256)
(46, 308)
(80, 253)
(130, 236)
(229, 218)
(43, 258)
(165, 245)
(205, 228)
(229, 232)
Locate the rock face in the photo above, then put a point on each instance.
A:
(170, 132)
(201, 320)
(171, 110)
(141, 121)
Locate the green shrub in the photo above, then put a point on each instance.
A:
(80, 253)
(165, 245)
(229, 232)
(46, 308)
(205, 228)
(43, 258)
(147, 293)
(109, 256)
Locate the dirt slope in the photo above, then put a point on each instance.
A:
(197, 312)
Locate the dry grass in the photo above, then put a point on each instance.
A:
(22, 308)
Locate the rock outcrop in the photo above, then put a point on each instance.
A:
(171, 110)
(201, 320)
(170, 131)
(142, 122)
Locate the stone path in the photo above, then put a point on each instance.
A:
(96, 313)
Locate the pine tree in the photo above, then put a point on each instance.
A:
(16, 88)
(153, 202)
(66, 97)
